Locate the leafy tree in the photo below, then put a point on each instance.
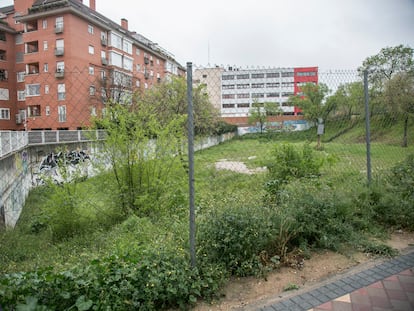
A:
(382, 67)
(139, 149)
(348, 99)
(260, 112)
(399, 95)
(312, 103)
(169, 99)
(257, 115)
(387, 63)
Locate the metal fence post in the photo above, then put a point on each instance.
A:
(191, 161)
(367, 126)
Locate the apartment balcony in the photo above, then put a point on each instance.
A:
(60, 74)
(58, 29)
(59, 51)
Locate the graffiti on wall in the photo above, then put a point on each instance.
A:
(61, 167)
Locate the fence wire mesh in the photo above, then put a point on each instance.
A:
(54, 106)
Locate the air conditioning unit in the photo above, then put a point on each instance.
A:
(19, 119)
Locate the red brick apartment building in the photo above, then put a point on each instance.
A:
(61, 61)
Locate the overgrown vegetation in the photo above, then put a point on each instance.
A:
(119, 240)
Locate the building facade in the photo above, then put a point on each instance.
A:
(62, 62)
(234, 91)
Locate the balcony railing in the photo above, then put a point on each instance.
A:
(60, 73)
(59, 51)
(58, 28)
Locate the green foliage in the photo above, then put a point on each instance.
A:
(395, 206)
(157, 280)
(141, 149)
(223, 127)
(236, 238)
(312, 101)
(288, 162)
(169, 99)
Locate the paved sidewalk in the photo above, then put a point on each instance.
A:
(385, 286)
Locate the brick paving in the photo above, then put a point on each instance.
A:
(386, 286)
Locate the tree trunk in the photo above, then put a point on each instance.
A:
(405, 143)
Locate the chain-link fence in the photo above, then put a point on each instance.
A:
(272, 100)
(326, 109)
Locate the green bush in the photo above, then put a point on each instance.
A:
(322, 216)
(395, 206)
(236, 238)
(157, 280)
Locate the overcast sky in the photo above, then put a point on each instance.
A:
(331, 34)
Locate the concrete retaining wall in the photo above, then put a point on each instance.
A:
(18, 170)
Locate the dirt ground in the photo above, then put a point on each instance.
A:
(250, 293)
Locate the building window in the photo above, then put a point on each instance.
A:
(44, 23)
(20, 76)
(116, 41)
(288, 84)
(91, 70)
(91, 49)
(4, 94)
(257, 95)
(138, 67)
(45, 47)
(257, 85)
(228, 96)
(272, 95)
(270, 85)
(4, 114)
(243, 86)
(245, 105)
(46, 89)
(287, 94)
(145, 85)
(287, 74)
(21, 95)
(2, 36)
(60, 67)
(93, 111)
(92, 90)
(32, 90)
(47, 110)
(243, 95)
(46, 67)
(116, 59)
(33, 111)
(62, 113)
(3, 75)
(257, 75)
(228, 77)
(228, 86)
(137, 51)
(306, 74)
(60, 47)
(128, 63)
(90, 29)
(59, 24)
(127, 46)
(272, 75)
(243, 76)
(61, 91)
(228, 105)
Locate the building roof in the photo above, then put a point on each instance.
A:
(42, 7)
